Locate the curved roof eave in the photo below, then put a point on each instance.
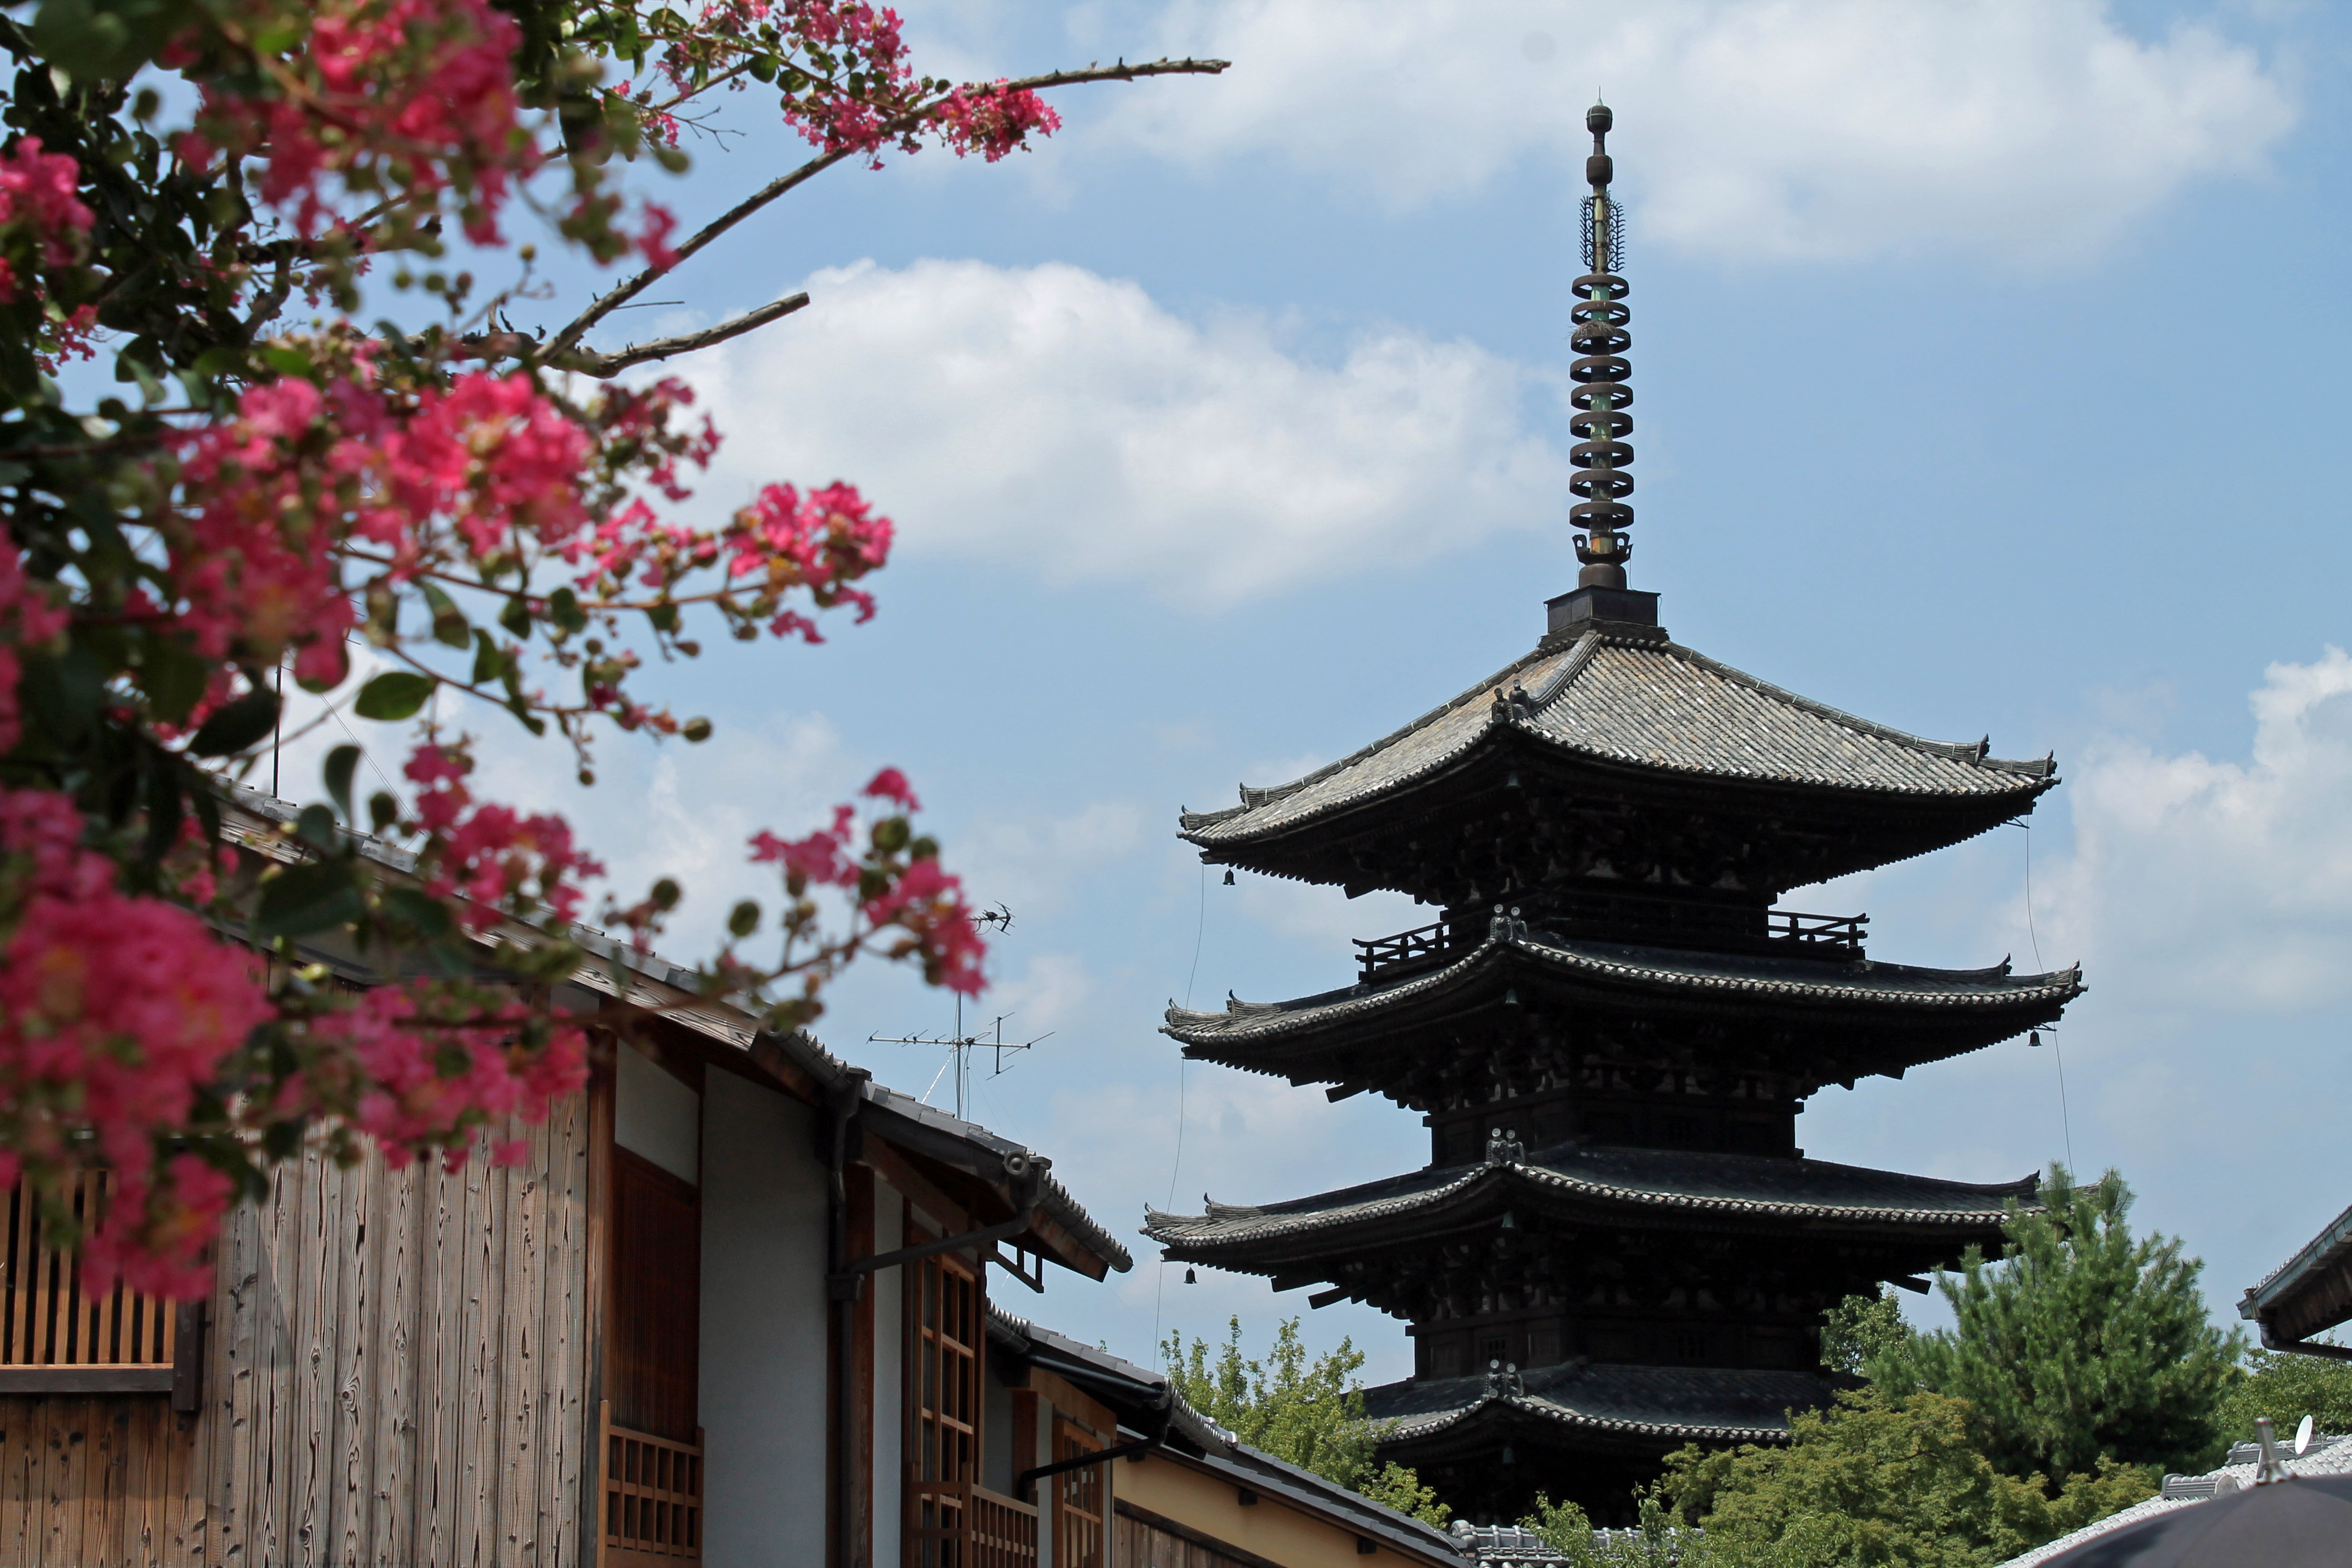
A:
(1434, 1194)
(1937, 989)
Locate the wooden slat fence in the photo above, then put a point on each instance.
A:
(394, 1373)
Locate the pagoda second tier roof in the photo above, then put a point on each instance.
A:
(1636, 707)
(1665, 1404)
(1621, 1185)
(1925, 1013)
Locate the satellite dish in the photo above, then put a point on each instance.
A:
(2302, 1438)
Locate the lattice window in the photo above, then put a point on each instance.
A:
(1078, 1509)
(945, 1377)
(653, 1497)
(50, 1323)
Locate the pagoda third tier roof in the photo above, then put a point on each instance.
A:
(1859, 1017)
(1663, 1405)
(1627, 722)
(1621, 1188)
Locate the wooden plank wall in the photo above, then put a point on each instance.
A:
(394, 1375)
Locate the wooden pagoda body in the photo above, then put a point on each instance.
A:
(1617, 1247)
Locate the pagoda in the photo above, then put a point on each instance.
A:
(1617, 1247)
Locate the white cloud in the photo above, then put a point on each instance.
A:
(1067, 421)
(2196, 883)
(1030, 867)
(2026, 133)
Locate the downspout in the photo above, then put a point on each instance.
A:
(842, 1287)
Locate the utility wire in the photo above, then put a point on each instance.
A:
(2065, 1117)
(1199, 931)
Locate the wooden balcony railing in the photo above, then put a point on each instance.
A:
(56, 1336)
(653, 1497)
(1628, 917)
(956, 1524)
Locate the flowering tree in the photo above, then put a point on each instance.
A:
(490, 514)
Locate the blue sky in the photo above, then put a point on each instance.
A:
(1988, 366)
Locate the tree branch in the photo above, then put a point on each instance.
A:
(605, 366)
(569, 336)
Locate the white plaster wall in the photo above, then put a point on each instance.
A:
(890, 1373)
(763, 1327)
(655, 1115)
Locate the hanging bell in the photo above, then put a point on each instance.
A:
(2034, 1037)
(1229, 878)
(1190, 1277)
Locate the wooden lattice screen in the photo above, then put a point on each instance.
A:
(48, 1321)
(653, 1496)
(1077, 1500)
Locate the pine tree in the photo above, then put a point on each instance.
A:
(2081, 1342)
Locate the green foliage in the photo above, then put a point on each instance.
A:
(1878, 1480)
(1861, 1327)
(1659, 1542)
(1398, 1486)
(2084, 1341)
(2285, 1387)
(1309, 1412)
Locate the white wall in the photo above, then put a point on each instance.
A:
(763, 1328)
(889, 1285)
(656, 1115)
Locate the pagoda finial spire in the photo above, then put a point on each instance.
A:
(1602, 482)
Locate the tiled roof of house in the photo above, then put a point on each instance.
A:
(1654, 705)
(2308, 1293)
(2328, 1457)
(1663, 1181)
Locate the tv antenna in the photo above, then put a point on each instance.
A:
(960, 1045)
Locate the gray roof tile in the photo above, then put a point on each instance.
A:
(1650, 704)
(1717, 1405)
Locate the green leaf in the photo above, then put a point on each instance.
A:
(64, 694)
(449, 625)
(316, 827)
(382, 811)
(564, 609)
(414, 908)
(172, 676)
(105, 41)
(342, 763)
(240, 725)
(488, 660)
(394, 694)
(516, 617)
(304, 898)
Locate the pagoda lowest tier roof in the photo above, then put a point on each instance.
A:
(1661, 1405)
(1626, 714)
(1621, 1188)
(1922, 1014)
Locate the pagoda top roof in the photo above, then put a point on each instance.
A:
(1648, 704)
(1669, 1404)
(1646, 969)
(1669, 1185)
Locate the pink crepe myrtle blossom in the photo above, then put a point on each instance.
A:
(993, 120)
(500, 861)
(42, 220)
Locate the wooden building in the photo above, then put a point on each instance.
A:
(732, 1307)
(2309, 1294)
(1610, 1029)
